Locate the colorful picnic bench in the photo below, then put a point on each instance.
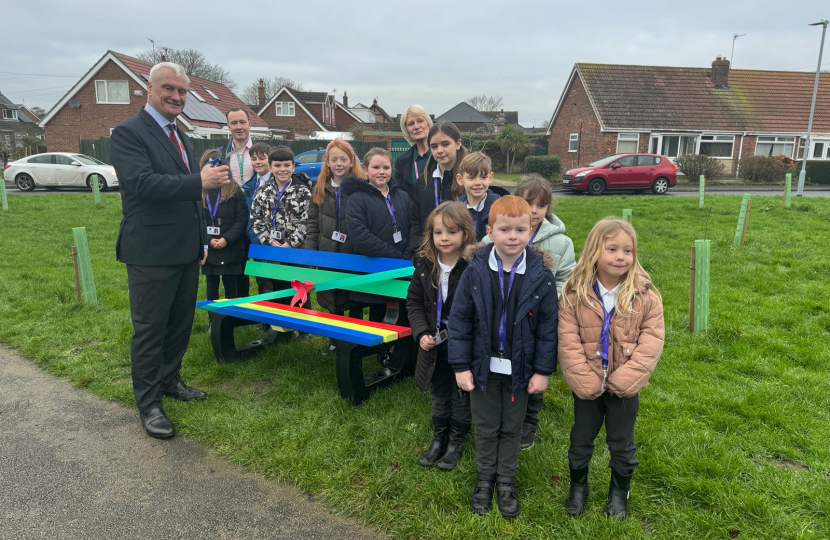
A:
(314, 271)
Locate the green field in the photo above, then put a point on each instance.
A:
(733, 430)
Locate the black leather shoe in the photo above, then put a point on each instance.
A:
(482, 499)
(507, 496)
(156, 424)
(578, 494)
(617, 506)
(182, 392)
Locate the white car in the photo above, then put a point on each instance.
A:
(59, 169)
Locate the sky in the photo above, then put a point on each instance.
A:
(433, 53)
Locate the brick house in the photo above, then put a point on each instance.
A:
(16, 122)
(675, 111)
(298, 114)
(115, 88)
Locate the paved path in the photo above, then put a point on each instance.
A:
(73, 466)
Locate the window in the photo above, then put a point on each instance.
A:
(112, 92)
(311, 157)
(63, 160)
(626, 161)
(9, 114)
(647, 161)
(818, 150)
(627, 143)
(573, 142)
(775, 146)
(800, 154)
(717, 146)
(46, 158)
(196, 95)
(86, 160)
(211, 94)
(284, 108)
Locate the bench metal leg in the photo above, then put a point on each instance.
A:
(224, 344)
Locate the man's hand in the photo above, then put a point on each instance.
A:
(464, 380)
(427, 342)
(218, 243)
(214, 177)
(538, 384)
(204, 259)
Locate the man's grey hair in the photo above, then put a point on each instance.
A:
(177, 69)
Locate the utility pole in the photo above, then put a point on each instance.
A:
(732, 56)
(802, 175)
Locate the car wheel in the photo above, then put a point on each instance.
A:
(596, 187)
(660, 186)
(102, 183)
(24, 182)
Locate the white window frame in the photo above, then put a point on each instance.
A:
(716, 138)
(284, 108)
(811, 156)
(105, 99)
(210, 92)
(8, 116)
(775, 139)
(197, 95)
(628, 137)
(573, 138)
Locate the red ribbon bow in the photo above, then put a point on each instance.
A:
(302, 288)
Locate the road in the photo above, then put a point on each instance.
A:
(74, 466)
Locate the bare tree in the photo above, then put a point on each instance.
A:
(485, 103)
(39, 111)
(250, 94)
(193, 62)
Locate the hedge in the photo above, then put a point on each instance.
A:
(763, 170)
(547, 166)
(818, 173)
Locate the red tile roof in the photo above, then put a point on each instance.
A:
(676, 98)
(227, 99)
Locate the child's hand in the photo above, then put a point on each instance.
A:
(538, 384)
(427, 343)
(464, 380)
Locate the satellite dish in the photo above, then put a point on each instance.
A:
(74, 103)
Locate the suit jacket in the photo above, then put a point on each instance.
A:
(162, 223)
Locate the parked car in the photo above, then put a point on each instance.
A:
(59, 169)
(310, 163)
(623, 171)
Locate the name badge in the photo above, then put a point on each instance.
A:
(440, 337)
(213, 231)
(397, 237)
(338, 236)
(276, 235)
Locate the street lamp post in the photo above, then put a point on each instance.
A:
(803, 174)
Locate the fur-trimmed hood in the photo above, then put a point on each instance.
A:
(548, 262)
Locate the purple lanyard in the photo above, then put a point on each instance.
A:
(415, 162)
(605, 336)
(438, 200)
(539, 226)
(277, 202)
(337, 198)
(391, 212)
(438, 320)
(212, 210)
(505, 298)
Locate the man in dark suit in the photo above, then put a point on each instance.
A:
(162, 240)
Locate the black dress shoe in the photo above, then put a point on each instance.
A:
(507, 496)
(156, 424)
(182, 392)
(482, 500)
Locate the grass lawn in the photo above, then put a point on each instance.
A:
(508, 177)
(733, 431)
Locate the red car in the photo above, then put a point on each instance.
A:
(623, 171)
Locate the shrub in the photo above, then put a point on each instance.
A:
(693, 166)
(818, 173)
(547, 166)
(763, 170)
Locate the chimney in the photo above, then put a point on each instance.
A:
(345, 99)
(720, 72)
(260, 93)
(163, 57)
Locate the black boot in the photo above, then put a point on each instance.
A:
(578, 494)
(440, 435)
(458, 432)
(507, 496)
(482, 499)
(617, 506)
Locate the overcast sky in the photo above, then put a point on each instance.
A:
(435, 53)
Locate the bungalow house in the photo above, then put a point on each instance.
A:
(298, 114)
(115, 88)
(16, 122)
(677, 111)
(470, 120)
